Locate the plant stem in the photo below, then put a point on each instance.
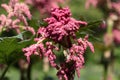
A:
(4, 72)
(22, 77)
(45, 65)
(109, 65)
(29, 72)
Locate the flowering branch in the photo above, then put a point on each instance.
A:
(61, 30)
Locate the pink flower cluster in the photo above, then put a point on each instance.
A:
(75, 57)
(109, 4)
(17, 13)
(50, 54)
(61, 30)
(91, 2)
(44, 6)
(116, 35)
(116, 30)
(95, 3)
(61, 25)
(116, 7)
(36, 49)
(114, 15)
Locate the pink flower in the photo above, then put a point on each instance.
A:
(27, 28)
(13, 2)
(4, 21)
(76, 53)
(36, 49)
(95, 3)
(20, 12)
(42, 32)
(116, 6)
(61, 25)
(91, 2)
(61, 30)
(65, 72)
(50, 54)
(116, 35)
(44, 6)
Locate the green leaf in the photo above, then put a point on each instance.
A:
(11, 48)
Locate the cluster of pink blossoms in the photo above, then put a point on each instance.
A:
(100, 3)
(91, 2)
(116, 29)
(44, 6)
(114, 7)
(61, 31)
(116, 35)
(17, 13)
(95, 3)
(61, 25)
